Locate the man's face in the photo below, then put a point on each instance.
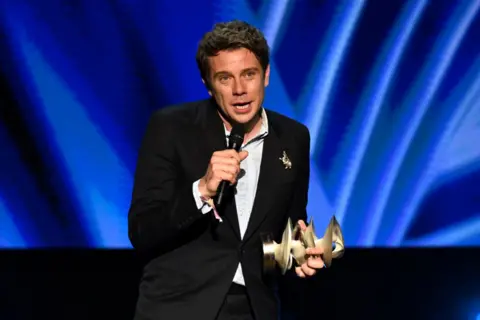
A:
(238, 84)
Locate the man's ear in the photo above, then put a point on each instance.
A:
(208, 88)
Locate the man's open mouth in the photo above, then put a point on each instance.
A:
(242, 105)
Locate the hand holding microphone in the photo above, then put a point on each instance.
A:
(224, 167)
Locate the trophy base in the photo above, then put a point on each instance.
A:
(269, 262)
(278, 254)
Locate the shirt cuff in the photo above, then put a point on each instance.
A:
(201, 205)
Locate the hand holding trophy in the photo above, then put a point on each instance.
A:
(295, 243)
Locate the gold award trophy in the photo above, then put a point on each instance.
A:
(295, 242)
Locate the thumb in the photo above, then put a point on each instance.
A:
(243, 154)
(302, 225)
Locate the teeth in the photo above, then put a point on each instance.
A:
(244, 106)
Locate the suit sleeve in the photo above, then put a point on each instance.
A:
(298, 208)
(163, 205)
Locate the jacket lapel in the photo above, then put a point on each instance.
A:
(212, 128)
(270, 168)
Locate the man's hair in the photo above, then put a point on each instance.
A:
(230, 36)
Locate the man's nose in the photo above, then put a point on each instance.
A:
(238, 88)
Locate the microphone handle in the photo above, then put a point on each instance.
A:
(224, 184)
(221, 192)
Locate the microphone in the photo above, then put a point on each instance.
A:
(235, 142)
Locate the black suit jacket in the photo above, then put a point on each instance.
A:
(193, 258)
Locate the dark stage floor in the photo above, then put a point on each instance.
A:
(364, 284)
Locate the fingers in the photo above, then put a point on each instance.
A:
(310, 267)
(226, 170)
(299, 272)
(307, 270)
(243, 155)
(230, 153)
(224, 165)
(224, 175)
(315, 263)
(302, 225)
(314, 251)
(221, 159)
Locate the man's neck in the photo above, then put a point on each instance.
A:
(251, 129)
(255, 129)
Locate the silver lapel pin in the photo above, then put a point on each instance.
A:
(286, 161)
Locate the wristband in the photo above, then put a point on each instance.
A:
(209, 201)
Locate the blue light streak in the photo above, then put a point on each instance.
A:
(415, 106)
(10, 236)
(274, 13)
(371, 103)
(461, 234)
(466, 95)
(314, 100)
(97, 174)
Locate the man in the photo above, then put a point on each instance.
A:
(204, 267)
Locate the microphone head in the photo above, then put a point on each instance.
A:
(236, 136)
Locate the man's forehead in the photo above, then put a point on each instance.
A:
(234, 59)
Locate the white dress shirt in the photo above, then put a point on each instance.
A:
(246, 184)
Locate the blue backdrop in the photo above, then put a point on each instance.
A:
(390, 91)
